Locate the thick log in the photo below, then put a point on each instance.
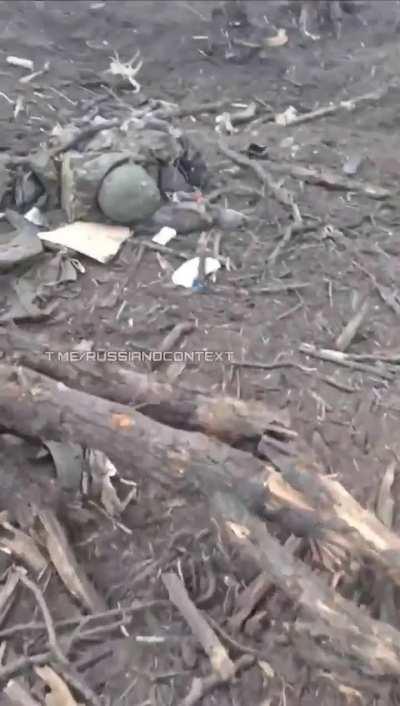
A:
(226, 418)
(355, 640)
(34, 405)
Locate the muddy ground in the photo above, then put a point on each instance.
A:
(349, 417)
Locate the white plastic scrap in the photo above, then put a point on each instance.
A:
(164, 235)
(96, 240)
(187, 273)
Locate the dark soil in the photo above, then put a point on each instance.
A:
(349, 418)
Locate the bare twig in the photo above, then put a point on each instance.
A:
(349, 332)
(18, 665)
(7, 594)
(67, 670)
(387, 295)
(23, 547)
(320, 176)
(201, 687)
(290, 311)
(337, 384)
(114, 613)
(282, 195)
(271, 366)
(346, 105)
(165, 250)
(281, 287)
(234, 644)
(286, 238)
(55, 649)
(344, 360)
(219, 658)
(53, 642)
(200, 109)
(190, 8)
(84, 134)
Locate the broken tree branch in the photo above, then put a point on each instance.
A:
(346, 361)
(345, 105)
(281, 194)
(212, 646)
(39, 597)
(349, 332)
(372, 646)
(201, 687)
(321, 176)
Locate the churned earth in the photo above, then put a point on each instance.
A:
(348, 250)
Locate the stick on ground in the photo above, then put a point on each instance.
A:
(212, 646)
(349, 332)
(39, 597)
(201, 687)
(340, 358)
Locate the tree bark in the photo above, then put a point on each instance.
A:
(226, 418)
(355, 640)
(298, 497)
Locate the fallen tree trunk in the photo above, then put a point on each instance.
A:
(338, 626)
(304, 502)
(226, 418)
(34, 405)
